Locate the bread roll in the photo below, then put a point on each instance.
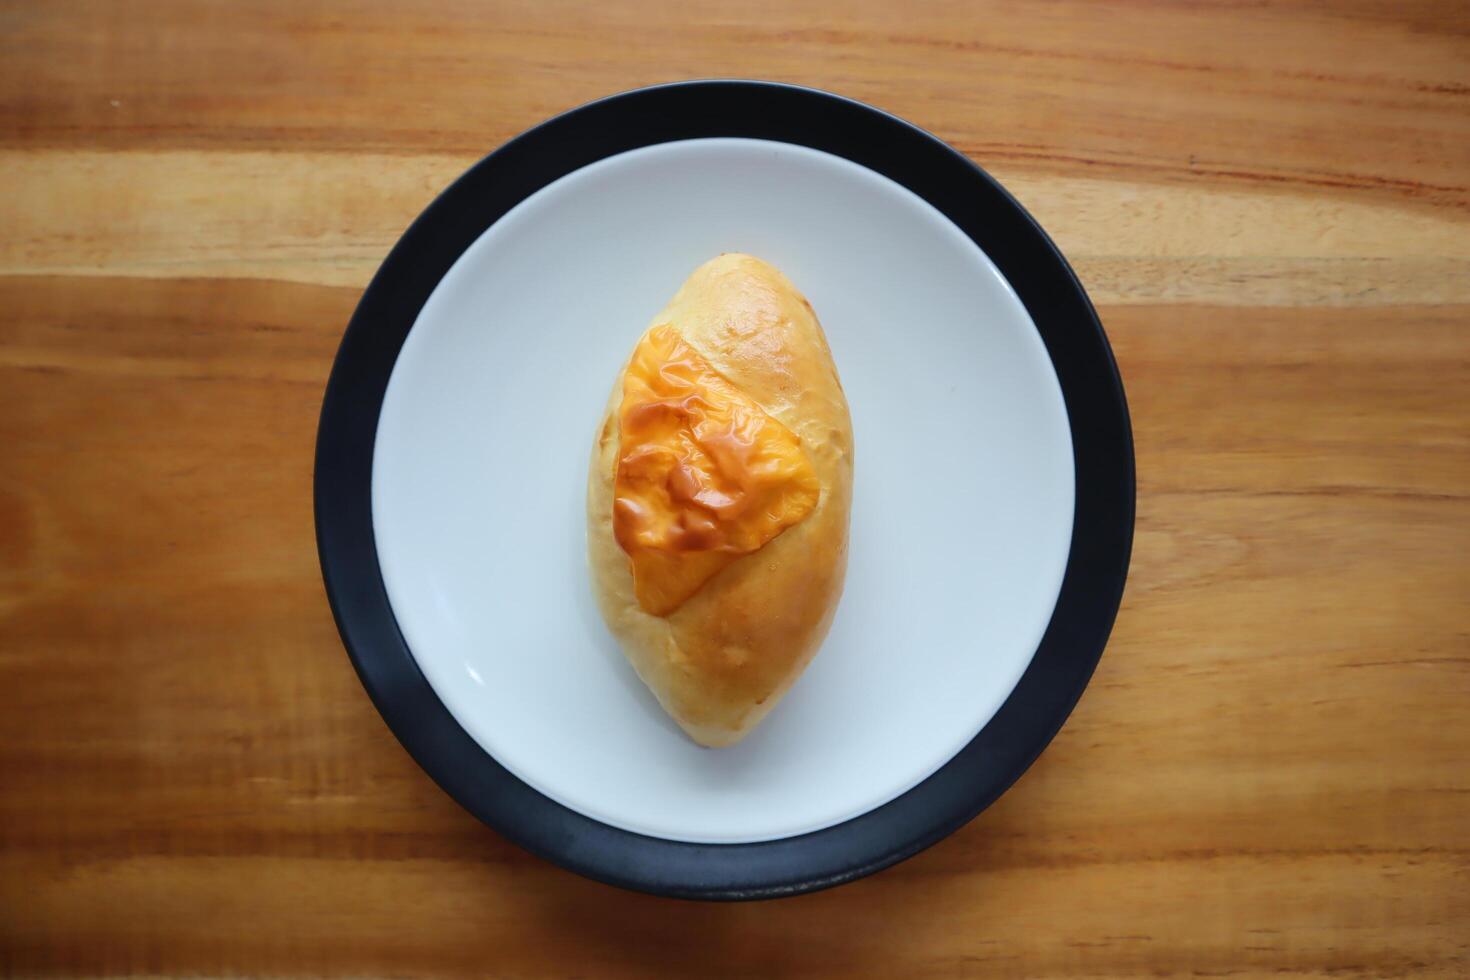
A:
(718, 499)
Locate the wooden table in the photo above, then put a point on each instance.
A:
(1269, 202)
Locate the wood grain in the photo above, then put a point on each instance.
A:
(1271, 203)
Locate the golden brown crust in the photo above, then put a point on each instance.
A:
(723, 658)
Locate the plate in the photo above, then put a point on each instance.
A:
(993, 497)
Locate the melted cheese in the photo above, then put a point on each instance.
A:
(704, 475)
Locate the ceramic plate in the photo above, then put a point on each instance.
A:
(993, 494)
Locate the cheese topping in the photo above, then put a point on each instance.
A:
(704, 475)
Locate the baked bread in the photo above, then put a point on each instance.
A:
(718, 499)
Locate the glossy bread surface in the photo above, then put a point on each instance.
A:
(718, 498)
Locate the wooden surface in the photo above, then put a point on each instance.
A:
(1270, 203)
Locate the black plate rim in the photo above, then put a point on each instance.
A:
(1092, 586)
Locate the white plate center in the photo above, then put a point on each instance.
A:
(962, 509)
